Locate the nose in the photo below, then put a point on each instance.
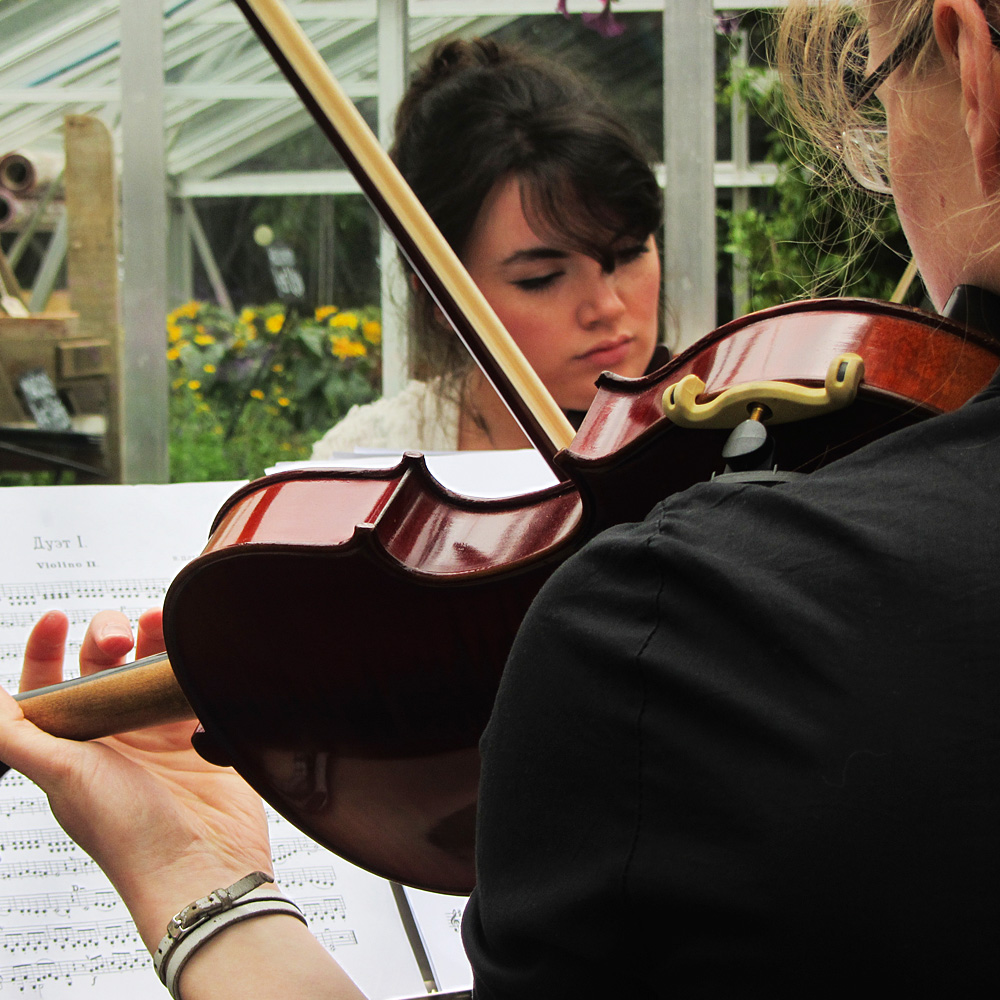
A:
(601, 304)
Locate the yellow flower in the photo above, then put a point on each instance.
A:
(344, 347)
(203, 408)
(189, 309)
(274, 323)
(177, 383)
(345, 319)
(239, 343)
(200, 328)
(204, 339)
(173, 354)
(247, 316)
(194, 385)
(174, 332)
(279, 368)
(323, 311)
(283, 401)
(257, 393)
(209, 369)
(372, 331)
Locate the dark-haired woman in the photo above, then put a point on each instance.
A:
(551, 205)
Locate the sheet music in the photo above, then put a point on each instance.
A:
(63, 929)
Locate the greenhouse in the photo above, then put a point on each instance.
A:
(209, 142)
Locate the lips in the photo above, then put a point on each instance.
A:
(609, 352)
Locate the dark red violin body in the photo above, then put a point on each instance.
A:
(342, 636)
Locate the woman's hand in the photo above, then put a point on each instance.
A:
(165, 826)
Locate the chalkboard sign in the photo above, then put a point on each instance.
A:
(39, 395)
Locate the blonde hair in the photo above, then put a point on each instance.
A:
(823, 44)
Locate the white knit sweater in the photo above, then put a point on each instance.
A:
(417, 418)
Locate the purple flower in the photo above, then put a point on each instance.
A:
(727, 24)
(603, 23)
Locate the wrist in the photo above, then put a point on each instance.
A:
(270, 958)
(155, 898)
(249, 898)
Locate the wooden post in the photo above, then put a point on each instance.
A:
(92, 257)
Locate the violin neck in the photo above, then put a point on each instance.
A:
(139, 695)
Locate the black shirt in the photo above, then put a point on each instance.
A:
(751, 745)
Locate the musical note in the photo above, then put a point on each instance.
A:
(77, 616)
(287, 847)
(33, 976)
(61, 903)
(51, 838)
(333, 940)
(80, 864)
(71, 937)
(319, 909)
(99, 593)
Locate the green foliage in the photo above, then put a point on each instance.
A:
(201, 450)
(814, 233)
(41, 478)
(250, 390)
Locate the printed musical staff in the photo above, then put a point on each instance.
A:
(332, 940)
(71, 937)
(21, 807)
(13, 653)
(99, 593)
(326, 908)
(283, 848)
(76, 616)
(50, 838)
(306, 877)
(34, 975)
(79, 864)
(61, 904)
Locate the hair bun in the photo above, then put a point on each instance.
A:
(460, 54)
(448, 60)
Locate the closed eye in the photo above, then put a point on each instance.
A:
(536, 284)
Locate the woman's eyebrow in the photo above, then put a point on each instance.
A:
(535, 253)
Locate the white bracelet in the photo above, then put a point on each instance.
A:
(199, 922)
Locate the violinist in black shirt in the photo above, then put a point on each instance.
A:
(747, 747)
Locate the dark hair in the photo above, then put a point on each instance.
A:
(476, 113)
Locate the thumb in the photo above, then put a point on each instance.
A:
(41, 758)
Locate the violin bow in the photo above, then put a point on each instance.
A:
(421, 242)
(905, 281)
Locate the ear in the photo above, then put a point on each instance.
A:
(966, 44)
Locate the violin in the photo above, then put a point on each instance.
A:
(361, 724)
(342, 636)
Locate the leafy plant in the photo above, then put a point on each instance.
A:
(247, 390)
(813, 233)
